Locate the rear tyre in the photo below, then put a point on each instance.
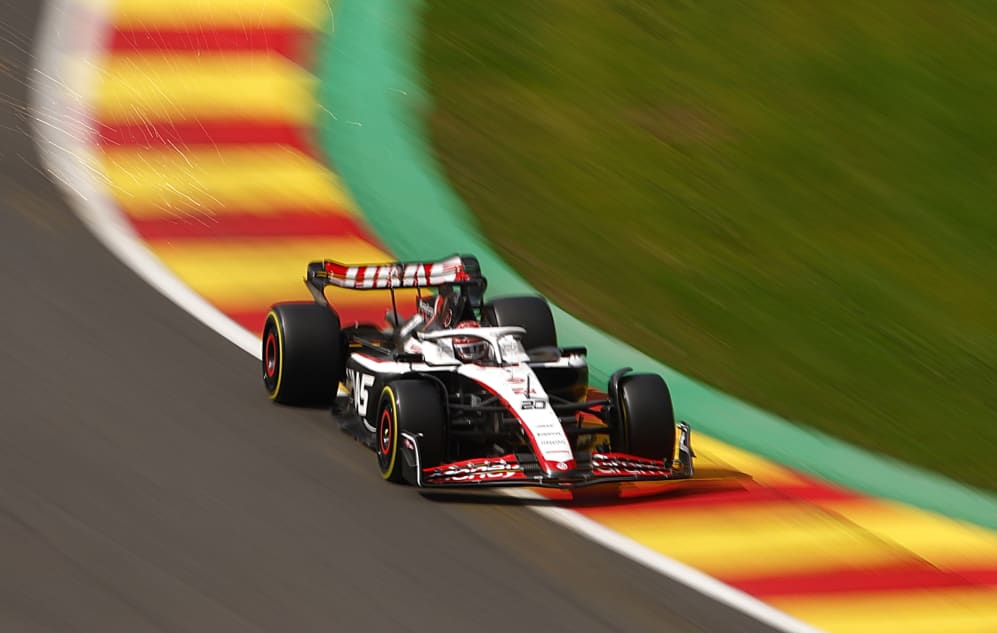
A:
(533, 314)
(413, 406)
(645, 425)
(530, 313)
(303, 354)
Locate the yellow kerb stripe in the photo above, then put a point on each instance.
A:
(185, 182)
(716, 453)
(948, 610)
(750, 541)
(247, 273)
(136, 88)
(305, 14)
(941, 541)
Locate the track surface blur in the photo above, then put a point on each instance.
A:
(147, 485)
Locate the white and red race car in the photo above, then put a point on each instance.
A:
(468, 393)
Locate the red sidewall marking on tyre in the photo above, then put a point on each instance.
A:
(270, 354)
(385, 432)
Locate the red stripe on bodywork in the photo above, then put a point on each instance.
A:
(207, 131)
(915, 575)
(289, 223)
(295, 44)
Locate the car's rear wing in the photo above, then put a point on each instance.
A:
(458, 269)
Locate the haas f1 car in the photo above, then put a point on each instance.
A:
(467, 392)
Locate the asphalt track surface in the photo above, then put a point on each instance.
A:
(146, 483)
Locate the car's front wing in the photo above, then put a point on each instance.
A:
(523, 469)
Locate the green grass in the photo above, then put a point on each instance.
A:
(793, 201)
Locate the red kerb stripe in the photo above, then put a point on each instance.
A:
(206, 132)
(722, 493)
(910, 576)
(295, 44)
(253, 320)
(289, 223)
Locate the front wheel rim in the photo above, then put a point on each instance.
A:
(270, 355)
(271, 359)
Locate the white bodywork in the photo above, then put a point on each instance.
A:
(518, 388)
(507, 375)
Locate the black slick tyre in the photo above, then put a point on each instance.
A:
(531, 313)
(414, 406)
(303, 354)
(645, 425)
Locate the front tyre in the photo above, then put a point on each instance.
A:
(645, 425)
(411, 406)
(303, 354)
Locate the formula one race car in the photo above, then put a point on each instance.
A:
(468, 393)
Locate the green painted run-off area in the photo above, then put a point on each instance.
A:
(375, 136)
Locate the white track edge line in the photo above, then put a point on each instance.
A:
(59, 134)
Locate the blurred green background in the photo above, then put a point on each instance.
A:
(793, 201)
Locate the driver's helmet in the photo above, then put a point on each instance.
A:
(469, 348)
